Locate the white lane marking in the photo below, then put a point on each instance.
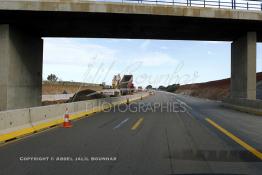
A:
(184, 103)
(121, 123)
(179, 101)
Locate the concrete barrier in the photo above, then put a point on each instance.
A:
(16, 123)
(244, 105)
(47, 116)
(56, 97)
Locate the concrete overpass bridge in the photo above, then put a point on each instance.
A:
(23, 23)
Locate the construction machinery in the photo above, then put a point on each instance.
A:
(116, 81)
(126, 85)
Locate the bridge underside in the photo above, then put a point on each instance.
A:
(21, 44)
(133, 26)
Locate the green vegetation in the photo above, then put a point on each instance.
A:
(52, 77)
(169, 88)
(149, 87)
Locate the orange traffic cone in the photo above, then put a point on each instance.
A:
(67, 123)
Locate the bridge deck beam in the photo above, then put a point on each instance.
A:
(243, 66)
(21, 58)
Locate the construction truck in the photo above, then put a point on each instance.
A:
(126, 85)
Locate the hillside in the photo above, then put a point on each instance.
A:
(215, 90)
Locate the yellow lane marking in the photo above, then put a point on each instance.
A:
(136, 125)
(236, 139)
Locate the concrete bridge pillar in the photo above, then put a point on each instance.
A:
(243, 67)
(21, 58)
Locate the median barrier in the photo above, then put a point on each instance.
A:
(47, 116)
(14, 123)
(17, 123)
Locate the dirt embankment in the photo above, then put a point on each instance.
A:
(214, 90)
(53, 88)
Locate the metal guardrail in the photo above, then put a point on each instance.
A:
(226, 4)
(255, 5)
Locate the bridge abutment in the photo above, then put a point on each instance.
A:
(21, 59)
(243, 67)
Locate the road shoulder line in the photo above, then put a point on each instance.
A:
(236, 139)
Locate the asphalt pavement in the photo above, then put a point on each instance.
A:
(162, 134)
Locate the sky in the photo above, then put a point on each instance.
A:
(155, 62)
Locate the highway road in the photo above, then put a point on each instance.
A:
(192, 136)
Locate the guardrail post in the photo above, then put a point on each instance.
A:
(233, 4)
